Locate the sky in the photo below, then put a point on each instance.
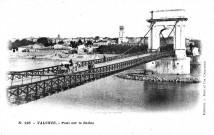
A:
(90, 18)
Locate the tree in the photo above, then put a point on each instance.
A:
(73, 44)
(61, 42)
(15, 44)
(89, 42)
(24, 42)
(43, 40)
(97, 38)
(50, 42)
(79, 42)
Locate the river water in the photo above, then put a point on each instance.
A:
(112, 93)
(27, 64)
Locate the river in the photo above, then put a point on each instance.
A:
(112, 93)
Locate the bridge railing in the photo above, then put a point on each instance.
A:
(32, 91)
(11, 75)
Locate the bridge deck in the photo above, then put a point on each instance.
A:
(51, 75)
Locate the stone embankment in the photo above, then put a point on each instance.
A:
(159, 79)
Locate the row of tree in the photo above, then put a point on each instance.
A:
(18, 43)
(24, 42)
(119, 49)
(43, 40)
(74, 44)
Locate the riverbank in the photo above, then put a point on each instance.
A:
(56, 55)
(159, 78)
(17, 63)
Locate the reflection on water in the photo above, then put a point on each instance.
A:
(195, 70)
(113, 93)
(168, 95)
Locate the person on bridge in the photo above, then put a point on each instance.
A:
(71, 62)
(89, 67)
(92, 65)
(67, 68)
(104, 58)
(64, 67)
(76, 66)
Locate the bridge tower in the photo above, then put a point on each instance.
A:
(168, 34)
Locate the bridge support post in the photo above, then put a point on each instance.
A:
(180, 64)
(169, 66)
(166, 32)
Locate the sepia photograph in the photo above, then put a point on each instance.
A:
(128, 67)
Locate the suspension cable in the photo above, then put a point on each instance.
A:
(140, 39)
(172, 28)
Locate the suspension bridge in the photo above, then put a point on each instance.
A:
(46, 84)
(30, 85)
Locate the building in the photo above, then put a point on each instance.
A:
(121, 34)
(131, 40)
(75, 39)
(58, 46)
(113, 41)
(90, 49)
(81, 49)
(104, 42)
(96, 43)
(135, 41)
(195, 51)
(23, 49)
(85, 39)
(66, 40)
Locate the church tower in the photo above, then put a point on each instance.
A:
(121, 34)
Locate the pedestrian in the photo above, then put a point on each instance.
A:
(78, 65)
(93, 65)
(104, 58)
(89, 67)
(71, 62)
(67, 68)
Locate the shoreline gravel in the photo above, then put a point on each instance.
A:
(157, 78)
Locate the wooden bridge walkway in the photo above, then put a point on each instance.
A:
(30, 76)
(52, 83)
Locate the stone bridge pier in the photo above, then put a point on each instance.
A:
(168, 34)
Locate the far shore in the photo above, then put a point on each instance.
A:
(57, 55)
